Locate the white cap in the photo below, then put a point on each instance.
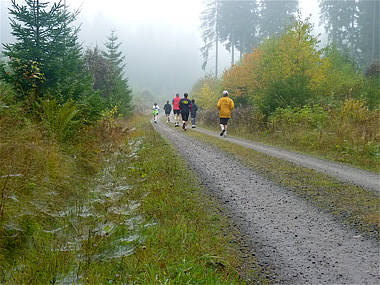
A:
(225, 92)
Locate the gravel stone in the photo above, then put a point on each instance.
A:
(298, 242)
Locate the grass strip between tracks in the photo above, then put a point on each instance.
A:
(189, 243)
(356, 206)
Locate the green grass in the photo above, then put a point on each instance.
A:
(121, 210)
(354, 205)
(307, 142)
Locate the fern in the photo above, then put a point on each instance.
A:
(60, 119)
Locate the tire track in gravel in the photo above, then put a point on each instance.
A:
(342, 172)
(301, 244)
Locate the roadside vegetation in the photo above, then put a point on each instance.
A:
(355, 206)
(115, 205)
(291, 93)
(87, 196)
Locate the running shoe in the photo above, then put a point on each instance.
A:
(222, 133)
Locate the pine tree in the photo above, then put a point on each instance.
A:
(101, 70)
(369, 26)
(45, 38)
(210, 33)
(340, 18)
(353, 26)
(238, 25)
(114, 55)
(275, 15)
(118, 92)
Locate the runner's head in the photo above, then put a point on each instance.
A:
(185, 95)
(177, 95)
(155, 104)
(192, 101)
(167, 102)
(225, 93)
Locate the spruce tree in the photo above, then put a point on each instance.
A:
(114, 55)
(118, 92)
(210, 32)
(275, 15)
(369, 26)
(353, 26)
(46, 38)
(340, 19)
(238, 25)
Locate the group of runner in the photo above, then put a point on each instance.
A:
(185, 107)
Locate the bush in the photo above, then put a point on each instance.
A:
(357, 128)
(306, 118)
(60, 120)
(371, 92)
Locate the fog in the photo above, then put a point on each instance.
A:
(160, 39)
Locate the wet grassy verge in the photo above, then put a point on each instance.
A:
(305, 146)
(188, 242)
(354, 205)
(116, 207)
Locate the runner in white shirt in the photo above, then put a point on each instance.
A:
(156, 109)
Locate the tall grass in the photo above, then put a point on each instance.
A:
(108, 205)
(349, 133)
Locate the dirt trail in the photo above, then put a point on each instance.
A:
(298, 242)
(345, 173)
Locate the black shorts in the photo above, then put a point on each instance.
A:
(224, 121)
(167, 113)
(185, 116)
(177, 112)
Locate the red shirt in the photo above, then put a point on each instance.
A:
(176, 103)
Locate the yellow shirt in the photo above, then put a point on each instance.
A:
(225, 106)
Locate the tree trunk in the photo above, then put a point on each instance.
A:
(216, 55)
(375, 8)
(216, 39)
(233, 53)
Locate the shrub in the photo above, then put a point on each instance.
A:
(371, 92)
(60, 120)
(306, 118)
(357, 128)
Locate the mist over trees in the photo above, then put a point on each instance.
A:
(353, 26)
(242, 24)
(46, 63)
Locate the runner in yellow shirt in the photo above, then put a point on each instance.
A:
(225, 106)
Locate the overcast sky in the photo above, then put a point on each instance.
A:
(161, 38)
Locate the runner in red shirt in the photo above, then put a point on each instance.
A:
(176, 109)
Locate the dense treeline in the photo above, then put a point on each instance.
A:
(291, 91)
(353, 26)
(52, 77)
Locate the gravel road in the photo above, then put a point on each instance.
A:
(298, 242)
(342, 172)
